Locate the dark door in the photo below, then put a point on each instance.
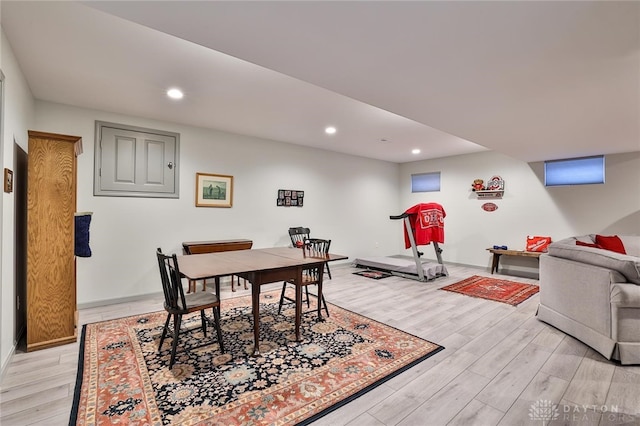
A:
(20, 197)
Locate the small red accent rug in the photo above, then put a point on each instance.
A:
(504, 291)
(376, 275)
(123, 379)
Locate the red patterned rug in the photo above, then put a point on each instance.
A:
(122, 379)
(510, 292)
(376, 275)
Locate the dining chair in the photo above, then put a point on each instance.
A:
(177, 304)
(298, 236)
(312, 247)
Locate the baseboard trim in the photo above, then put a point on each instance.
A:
(118, 300)
(7, 361)
(107, 302)
(339, 264)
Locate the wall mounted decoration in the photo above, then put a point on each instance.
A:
(214, 190)
(290, 198)
(8, 180)
(489, 207)
(82, 223)
(494, 188)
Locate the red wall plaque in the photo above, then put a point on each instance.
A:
(489, 207)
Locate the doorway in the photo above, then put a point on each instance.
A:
(20, 162)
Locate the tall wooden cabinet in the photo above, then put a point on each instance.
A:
(51, 267)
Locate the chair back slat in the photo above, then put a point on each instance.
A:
(314, 274)
(164, 277)
(298, 235)
(318, 248)
(171, 281)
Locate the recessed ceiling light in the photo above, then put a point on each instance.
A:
(330, 130)
(175, 93)
(415, 151)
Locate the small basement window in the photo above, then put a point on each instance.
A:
(135, 162)
(425, 182)
(574, 171)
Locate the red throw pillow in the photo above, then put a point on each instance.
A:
(582, 243)
(612, 243)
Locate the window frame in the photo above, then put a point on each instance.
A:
(427, 182)
(589, 170)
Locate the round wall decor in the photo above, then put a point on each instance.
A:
(489, 207)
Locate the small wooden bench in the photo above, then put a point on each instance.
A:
(198, 247)
(499, 252)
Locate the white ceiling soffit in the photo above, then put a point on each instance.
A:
(534, 80)
(76, 55)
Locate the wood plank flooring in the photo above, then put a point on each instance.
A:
(500, 366)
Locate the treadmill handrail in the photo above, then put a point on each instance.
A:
(401, 216)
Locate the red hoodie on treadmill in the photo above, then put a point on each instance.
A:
(427, 223)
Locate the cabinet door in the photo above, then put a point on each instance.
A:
(51, 204)
(132, 162)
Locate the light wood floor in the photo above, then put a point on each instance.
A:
(500, 366)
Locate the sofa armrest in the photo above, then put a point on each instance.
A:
(579, 291)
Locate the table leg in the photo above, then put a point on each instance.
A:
(320, 276)
(255, 305)
(496, 261)
(216, 281)
(298, 302)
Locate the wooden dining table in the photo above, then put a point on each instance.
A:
(259, 266)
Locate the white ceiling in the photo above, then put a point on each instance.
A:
(534, 80)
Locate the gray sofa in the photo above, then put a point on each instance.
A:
(593, 294)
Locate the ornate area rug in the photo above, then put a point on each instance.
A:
(510, 292)
(122, 379)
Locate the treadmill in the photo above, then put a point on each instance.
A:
(417, 268)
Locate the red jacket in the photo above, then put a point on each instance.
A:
(427, 223)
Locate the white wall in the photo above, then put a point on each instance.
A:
(347, 199)
(18, 117)
(527, 208)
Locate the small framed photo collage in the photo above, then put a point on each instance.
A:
(290, 198)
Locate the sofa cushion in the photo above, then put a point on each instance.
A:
(612, 243)
(627, 265)
(625, 295)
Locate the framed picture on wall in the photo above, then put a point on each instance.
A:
(214, 190)
(290, 198)
(8, 180)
